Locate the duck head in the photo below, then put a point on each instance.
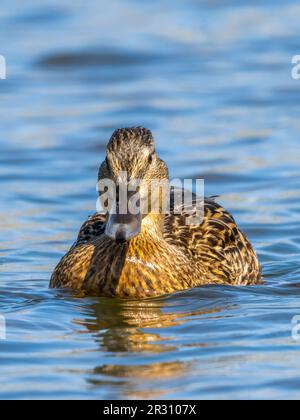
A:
(131, 180)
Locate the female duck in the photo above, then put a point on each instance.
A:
(149, 252)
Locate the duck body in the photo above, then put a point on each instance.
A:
(167, 255)
(216, 252)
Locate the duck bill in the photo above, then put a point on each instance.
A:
(123, 227)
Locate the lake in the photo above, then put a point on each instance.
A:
(212, 80)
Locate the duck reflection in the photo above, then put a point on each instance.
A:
(145, 381)
(135, 333)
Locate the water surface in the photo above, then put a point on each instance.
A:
(212, 80)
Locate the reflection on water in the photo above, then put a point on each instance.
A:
(120, 327)
(212, 80)
(127, 331)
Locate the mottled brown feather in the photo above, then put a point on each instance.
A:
(184, 257)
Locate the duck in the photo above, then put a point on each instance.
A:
(152, 253)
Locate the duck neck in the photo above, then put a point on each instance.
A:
(153, 226)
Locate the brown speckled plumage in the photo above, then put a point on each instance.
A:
(168, 255)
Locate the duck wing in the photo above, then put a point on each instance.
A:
(91, 229)
(216, 243)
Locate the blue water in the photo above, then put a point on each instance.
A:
(212, 80)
